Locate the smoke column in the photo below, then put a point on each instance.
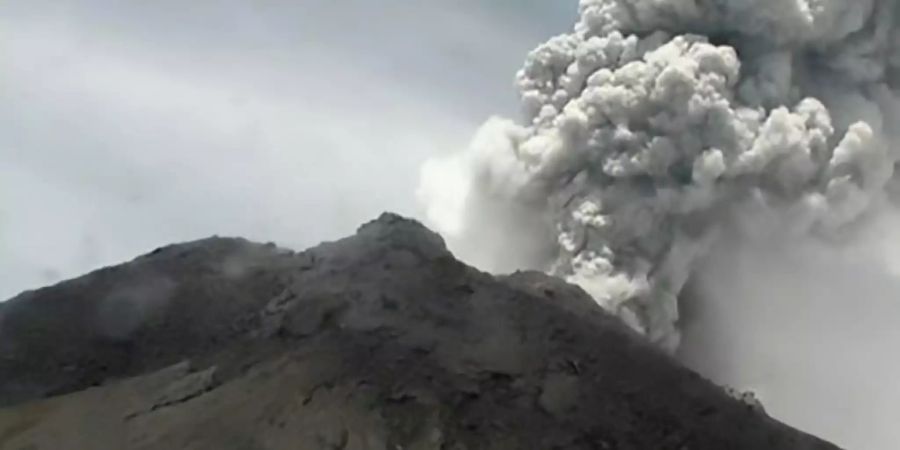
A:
(660, 138)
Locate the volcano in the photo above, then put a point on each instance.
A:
(382, 340)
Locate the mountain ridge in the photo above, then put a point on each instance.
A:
(382, 340)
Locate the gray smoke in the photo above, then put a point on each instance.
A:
(811, 329)
(126, 308)
(660, 135)
(655, 124)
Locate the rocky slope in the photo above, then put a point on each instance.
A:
(379, 341)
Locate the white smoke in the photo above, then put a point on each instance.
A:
(659, 132)
(655, 124)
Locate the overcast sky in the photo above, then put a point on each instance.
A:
(127, 125)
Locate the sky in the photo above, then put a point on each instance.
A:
(125, 126)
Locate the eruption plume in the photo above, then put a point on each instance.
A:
(656, 127)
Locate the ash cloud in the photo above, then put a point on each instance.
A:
(720, 175)
(655, 126)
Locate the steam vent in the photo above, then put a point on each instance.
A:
(382, 340)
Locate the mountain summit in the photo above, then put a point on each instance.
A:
(382, 340)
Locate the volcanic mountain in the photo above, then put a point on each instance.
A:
(382, 340)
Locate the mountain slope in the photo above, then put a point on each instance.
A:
(378, 341)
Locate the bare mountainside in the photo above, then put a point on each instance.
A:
(378, 341)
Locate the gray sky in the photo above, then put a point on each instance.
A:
(126, 125)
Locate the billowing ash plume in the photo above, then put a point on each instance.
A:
(656, 124)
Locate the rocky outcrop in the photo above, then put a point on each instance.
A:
(378, 341)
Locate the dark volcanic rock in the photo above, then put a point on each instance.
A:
(379, 341)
